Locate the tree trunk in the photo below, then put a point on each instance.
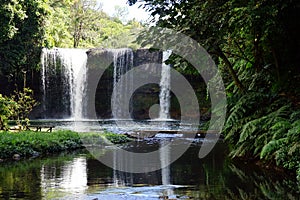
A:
(276, 64)
(233, 74)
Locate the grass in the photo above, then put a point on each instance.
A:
(29, 143)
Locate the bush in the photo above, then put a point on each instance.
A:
(5, 111)
(17, 107)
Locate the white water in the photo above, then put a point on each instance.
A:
(123, 62)
(165, 87)
(71, 65)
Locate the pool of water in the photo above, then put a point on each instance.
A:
(78, 175)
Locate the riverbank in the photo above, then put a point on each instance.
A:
(26, 144)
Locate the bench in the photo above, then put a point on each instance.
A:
(39, 127)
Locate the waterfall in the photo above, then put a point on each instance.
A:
(63, 82)
(65, 74)
(165, 86)
(123, 62)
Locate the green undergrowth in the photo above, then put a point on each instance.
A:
(92, 139)
(29, 143)
(265, 127)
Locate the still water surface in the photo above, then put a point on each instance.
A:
(79, 175)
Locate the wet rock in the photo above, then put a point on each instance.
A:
(34, 155)
(16, 157)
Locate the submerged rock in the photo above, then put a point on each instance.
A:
(35, 154)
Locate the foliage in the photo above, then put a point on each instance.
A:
(239, 34)
(268, 130)
(29, 143)
(254, 44)
(29, 25)
(116, 138)
(96, 139)
(21, 36)
(57, 32)
(5, 111)
(24, 104)
(83, 24)
(17, 107)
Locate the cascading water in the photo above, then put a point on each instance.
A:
(165, 86)
(123, 62)
(63, 82)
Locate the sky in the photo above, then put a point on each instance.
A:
(134, 12)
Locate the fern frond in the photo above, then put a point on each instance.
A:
(280, 129)
(294, 148)
(269, 149)
(295, 116)
(249, 129)
(294, 133)
(246, 106)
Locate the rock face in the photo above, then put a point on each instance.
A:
(60, 73)
(101, 77)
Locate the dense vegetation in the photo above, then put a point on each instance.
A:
(28, 26)
(256, 47)
(83, 24)
(29, 143)
(16, 107)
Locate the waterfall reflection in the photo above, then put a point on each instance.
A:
(69, 178)
(165, 167)
(80, 176)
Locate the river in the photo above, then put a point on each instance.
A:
(78, 175)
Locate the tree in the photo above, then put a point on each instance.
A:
(121, 13)
(84, 15)
(22, 35)
(57, 24)
(255, 44)
(248, 32)
(83, 24)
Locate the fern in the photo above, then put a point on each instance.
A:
(269, 149)
(295, 115)
(280, 129)
(242, 150)
(251, 128)
(288, 155)
(258, 130)
(232, 133)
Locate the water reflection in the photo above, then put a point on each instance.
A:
(165, 167)
(68, 178)
(80, 176)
